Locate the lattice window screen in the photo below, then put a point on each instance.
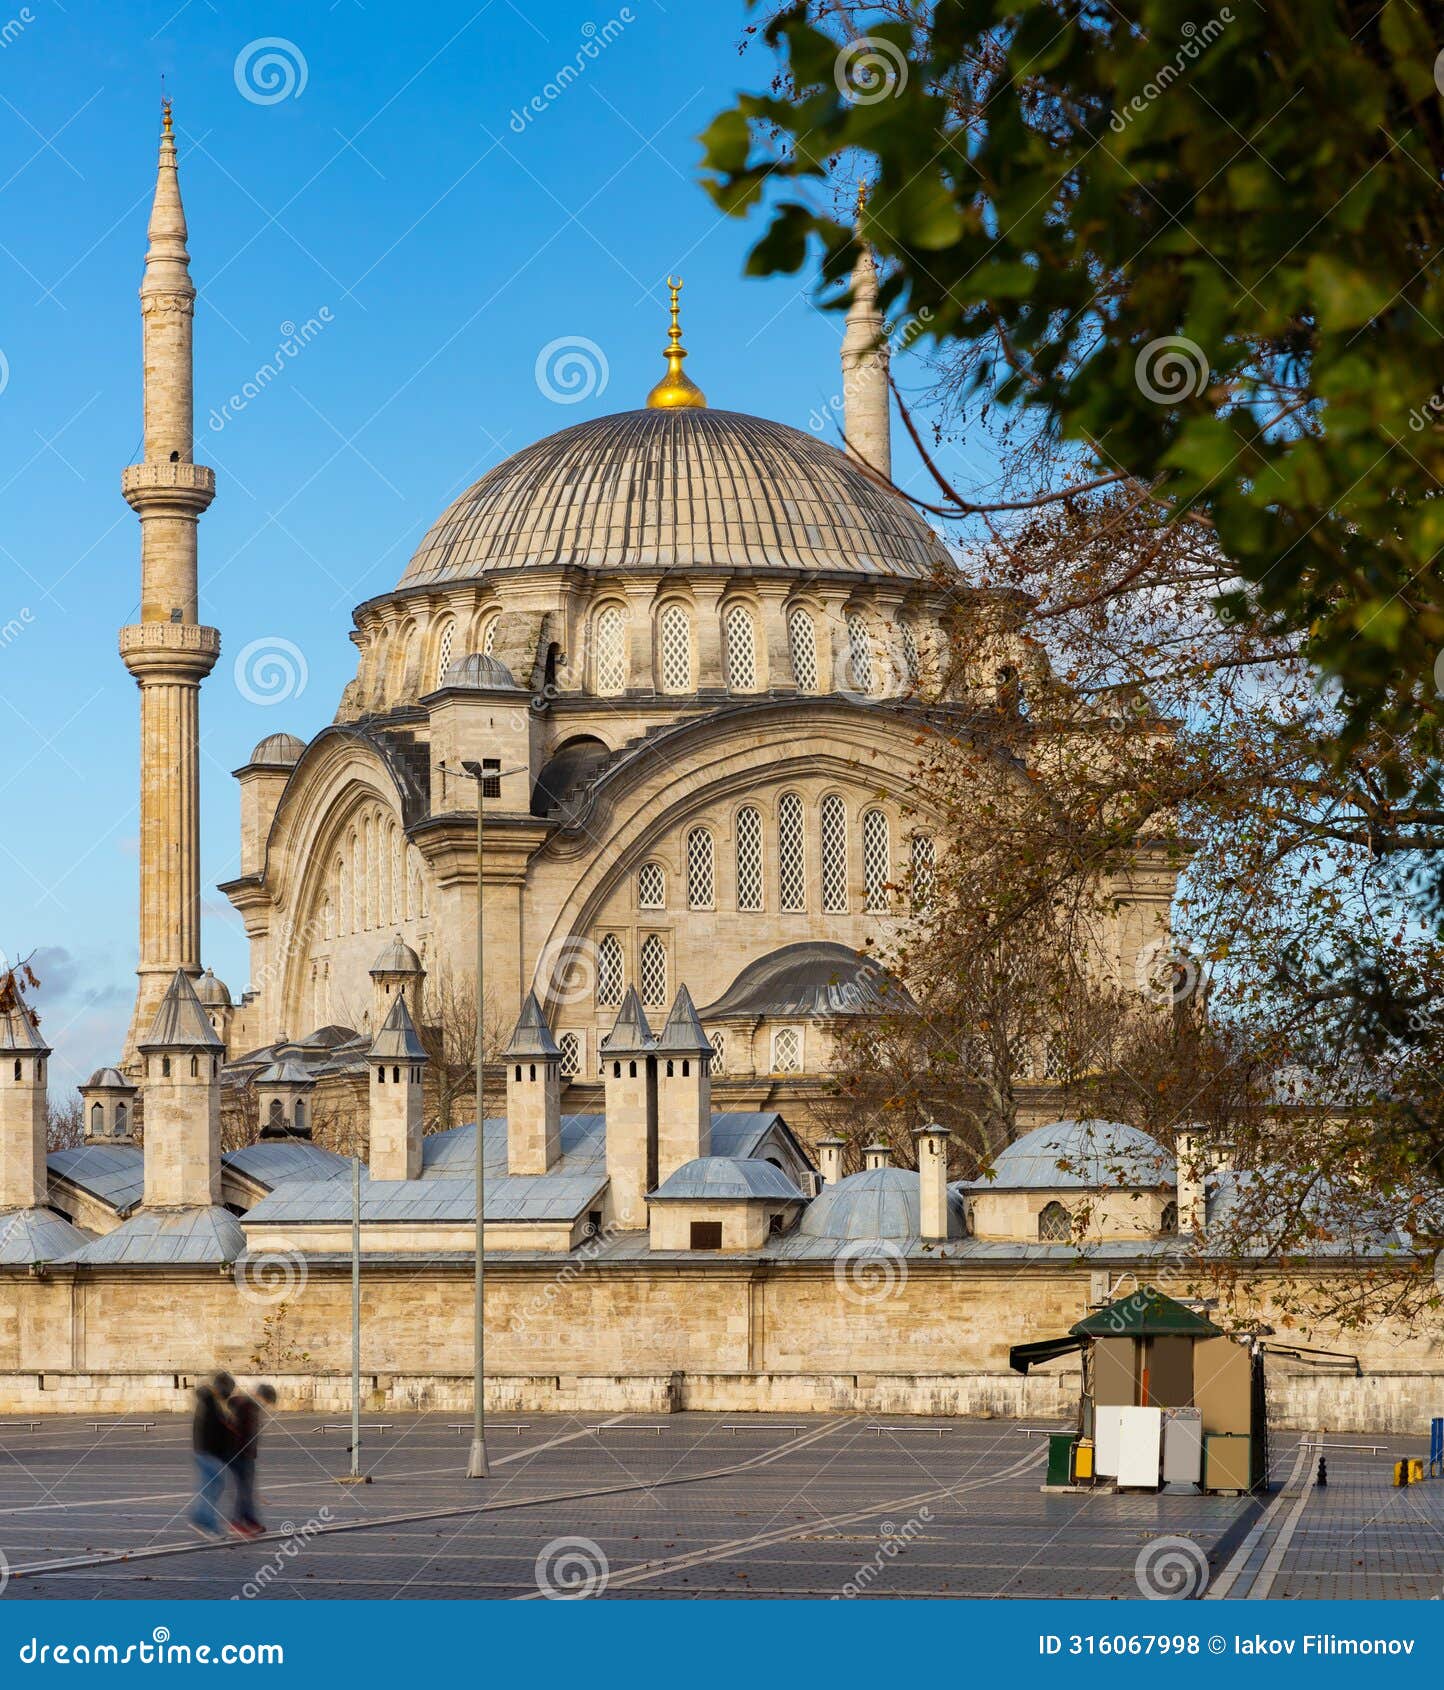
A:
(909, 642)
(1054, 1224)
(676, 649)
(489, 639)
(749, 859)
(802, 637)
(834, 855)
(653, 970)
(859, 648)
(876, 860)
(923, 865)
(611, 657)
(570, 1045)
(791, 857)
(741, 650)
(787, 1050)
(701, 878)
(718, 1042)
(609, 970)
(443, 651)
(651, 887)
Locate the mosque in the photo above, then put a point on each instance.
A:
(645, 702)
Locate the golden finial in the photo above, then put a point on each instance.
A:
(675, 391)
(167, 127)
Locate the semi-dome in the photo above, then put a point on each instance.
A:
(1081, 1155)
(280, 751)
(677, 489)
(477, 670)
(875, 1204)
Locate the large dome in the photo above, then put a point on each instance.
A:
(677, 489)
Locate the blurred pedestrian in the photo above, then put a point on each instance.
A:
(212, 1445)
(247, 1414)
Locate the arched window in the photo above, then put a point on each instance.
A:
(570, 1045)
(834, 855)
(908, 640)
(343, 895)
(328, 919)
(97, 1119)
(676, 649)
(652, 970)
(749, 859)
(610, 664)
(718, 1041)
(859, 655)
(802, 642)
(1168, 1220)
(651, 887)
(923, 865)
(276, 1114)
(741, 650)
(701, 876)
(443, 650)
(1054, 1224)
(365, 902)
(120, 1120)
(299, 1115)
(358, 887)
(787, 1050)
(402, 662)
(791, 858)
(609, 970)
(380, 658)
(876, 860)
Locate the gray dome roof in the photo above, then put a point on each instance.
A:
(478, 670)
(279, 750)
(877, 1203)
(108, 1079)
(673, 489)
(213, 993)
(1097, 1154)
(815, 977)
(397, 958)
(285, 1073)
(726, 1178)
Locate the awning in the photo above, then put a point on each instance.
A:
(1023, 1356)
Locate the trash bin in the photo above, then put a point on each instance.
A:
(1060, 1457)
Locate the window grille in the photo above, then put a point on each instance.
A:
(859, 648)
(741, 650)
(909, 642)
(749, 859)
(653, 970)
(701, 880)
(787, 1050)
(791, 858)
(676, 644)
(609, 970)
(1168, 1221)
(834, 855)
(1054, 1224)
(718, 1041)
(570, 1045)
(611, 659)
(443, 651)
(489, 638)
(802, 638)
(923, 865)
(876, 860)
(651, 887)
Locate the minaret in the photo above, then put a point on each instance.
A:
(168, 651)
(865, 411)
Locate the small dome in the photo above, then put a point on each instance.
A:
(107, 1079)
(878, 1203)
(397, 958)
(477, 670)
(284, 1072)
(1094, 1153)
(728, 1178)
(213, 993)
(280, 751)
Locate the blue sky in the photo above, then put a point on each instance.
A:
(379, 174)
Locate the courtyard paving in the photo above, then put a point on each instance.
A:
(687, 1506)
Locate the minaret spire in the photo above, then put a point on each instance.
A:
(866, 415)
(168, 651)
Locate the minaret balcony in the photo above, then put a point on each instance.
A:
(164, 650)
(168, 486)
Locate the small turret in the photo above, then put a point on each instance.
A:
(533, 1094)
(397, 1060)
(684, 1088)
(107, 1102)
(283, 1095)
(181, 1066)
(866, 413)
(23, 1115)
(629, 1082)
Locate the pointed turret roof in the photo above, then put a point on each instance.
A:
(683, 1034)
(630, 1031)
(18, 1029)
(167, 263)
(181, 1022)
(532, 1037)
(398, 1040)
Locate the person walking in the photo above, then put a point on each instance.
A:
(212, 1445)
(247, 1417)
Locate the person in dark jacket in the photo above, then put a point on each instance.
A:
(247, 1417)
(213, 1444)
